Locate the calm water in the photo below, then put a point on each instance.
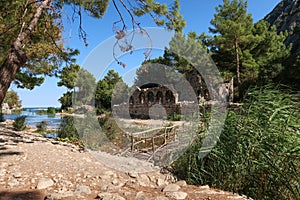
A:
(32, 118)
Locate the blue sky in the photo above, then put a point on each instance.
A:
(197, 14)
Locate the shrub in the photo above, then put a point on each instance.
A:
(67, 129)
(51, 110)
(174, 117)
(42, 126)
(19, 123)
(258, 153)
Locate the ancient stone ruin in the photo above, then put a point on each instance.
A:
(144, 97)
(156, 101)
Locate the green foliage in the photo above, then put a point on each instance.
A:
(240, 48)
(120, 93)
(67, 129)
(42, 46)
(175, 117)
(66, 100)
(110, 86)
(173, 19)
(42, 41)
(85, 85)
(51, 110)
(231, 24)
(291, 72)
(12, 99)
(42, 126)
(94, 8)
(154, 71)
(269, 51)
(68, 76)
(90, 133)
(258, 152)
(19, 123)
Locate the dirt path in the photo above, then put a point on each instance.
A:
(32, 167)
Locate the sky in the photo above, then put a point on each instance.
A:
(197, 14)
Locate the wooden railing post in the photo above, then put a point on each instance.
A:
(165, 135)
(153, 145)
(132, 143)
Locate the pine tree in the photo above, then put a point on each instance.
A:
(232, 29)
(110, 88)
(253, 53)
(269, 51)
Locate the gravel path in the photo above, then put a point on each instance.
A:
(36, 168)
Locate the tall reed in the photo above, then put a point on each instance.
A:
(258, 152)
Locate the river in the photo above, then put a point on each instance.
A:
(33, 118)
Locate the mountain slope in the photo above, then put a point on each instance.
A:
(286, 17)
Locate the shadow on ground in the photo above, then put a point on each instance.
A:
(10, 153)
(24, 195)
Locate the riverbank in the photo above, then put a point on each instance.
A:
(34, 167)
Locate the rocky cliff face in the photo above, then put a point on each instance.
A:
(286, 17)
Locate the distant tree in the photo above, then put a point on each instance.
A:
(111, 84)
(68, 77)
(12, 99)
(152, 72)
(51, 110)
(66, 100)
(120, 93)
(85, 86)
(33, 47)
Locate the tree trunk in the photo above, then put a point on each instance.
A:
(16, 57)
(237, 60)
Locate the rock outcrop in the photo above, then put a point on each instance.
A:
(286, 17)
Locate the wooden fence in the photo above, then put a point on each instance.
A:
(163, 135)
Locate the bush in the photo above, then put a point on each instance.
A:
(67, 129)
(42, 126)
(174, 117)
(258, 153)
(51, 110)
(19, 123)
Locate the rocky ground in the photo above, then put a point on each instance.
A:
(33, 167)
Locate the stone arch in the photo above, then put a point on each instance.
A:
(131, 101)
(150, 97)
(141, 98)
(170, 97)
(159, 97)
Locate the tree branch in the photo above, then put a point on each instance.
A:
(24, 34)
(121, 17)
